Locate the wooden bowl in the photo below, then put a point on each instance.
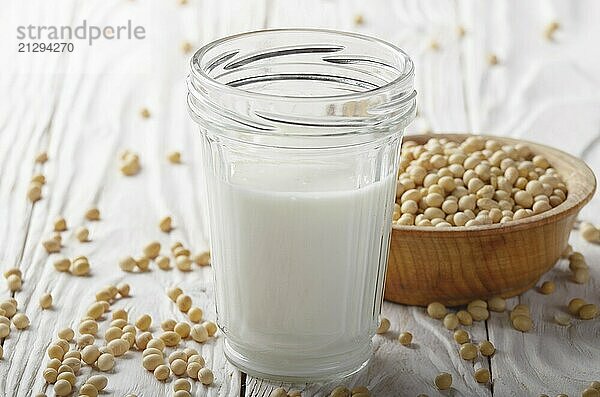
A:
(458, 264)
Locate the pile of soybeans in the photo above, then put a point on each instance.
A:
(476, 182)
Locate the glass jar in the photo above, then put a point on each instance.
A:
(301, 133)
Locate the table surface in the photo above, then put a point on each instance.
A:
(84, 109)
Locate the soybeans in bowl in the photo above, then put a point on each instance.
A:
(480, 216)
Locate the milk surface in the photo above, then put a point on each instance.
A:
(299, 254)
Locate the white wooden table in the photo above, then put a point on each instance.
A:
(83, 109)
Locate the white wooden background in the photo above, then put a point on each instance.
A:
(83, 108)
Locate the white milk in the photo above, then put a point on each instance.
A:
(299, 255)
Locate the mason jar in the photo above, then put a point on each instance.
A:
(301, 133)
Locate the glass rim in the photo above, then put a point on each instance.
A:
(203, 77)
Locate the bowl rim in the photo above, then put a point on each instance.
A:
(563, 210)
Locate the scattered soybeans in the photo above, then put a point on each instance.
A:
(192, 369)
(34, 191)
(145, 113)
(66, 375)
(4, 330)
(547, 287)
(123, 289)
(177, 354)
(46, 301)
(20, 321)
(464, 317)
(152, 250)
(183, 263)
(522, 323)
(112, 333)
(561, 318)
(89, 390)
(62, 264)
(127, 264)
(586, 312)
(92, 214)
(62, 387)
(589, 232)
(190, 351)
(156, 343)
(168, 325)
(195, 314)
(468, 351)
(60, 224)
(183, 329)
(496, 304)
(482, 375)
(461, 336)
(175, 156)
(171, 338)
(575, 304)
(80, 266)
(105, 362)
(184, 303)
(478, 310)
(162, 372)
(173, 293)
(359, 19)
(82, 233)
(67, 334)
(550, 30)
(13, 271)
(9, 307)
(179, 367)
(142, 263)
(451, 321)
(52, 245)
(41, 157)
(144, 322)
(211, 327)
(443, 381)
(206, 376)
(39, 178)
(14, 282)
(55, 351)
(436, 310)
(405, 338)
(384, 326)
(130, 163)
(199, 333)
(165, 224)
(279, 392)
(590, 392)
(577, 261)
(96, 310)
(486, 348)
(202, 259)
(581, 276)
(152, 361)
(89, 354)
(163, 262)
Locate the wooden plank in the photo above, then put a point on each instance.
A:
(92, 123)
(406, 370)
(95, 109)
(551, 359)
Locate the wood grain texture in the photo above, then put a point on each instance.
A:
(457, 265)
(83, 108)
